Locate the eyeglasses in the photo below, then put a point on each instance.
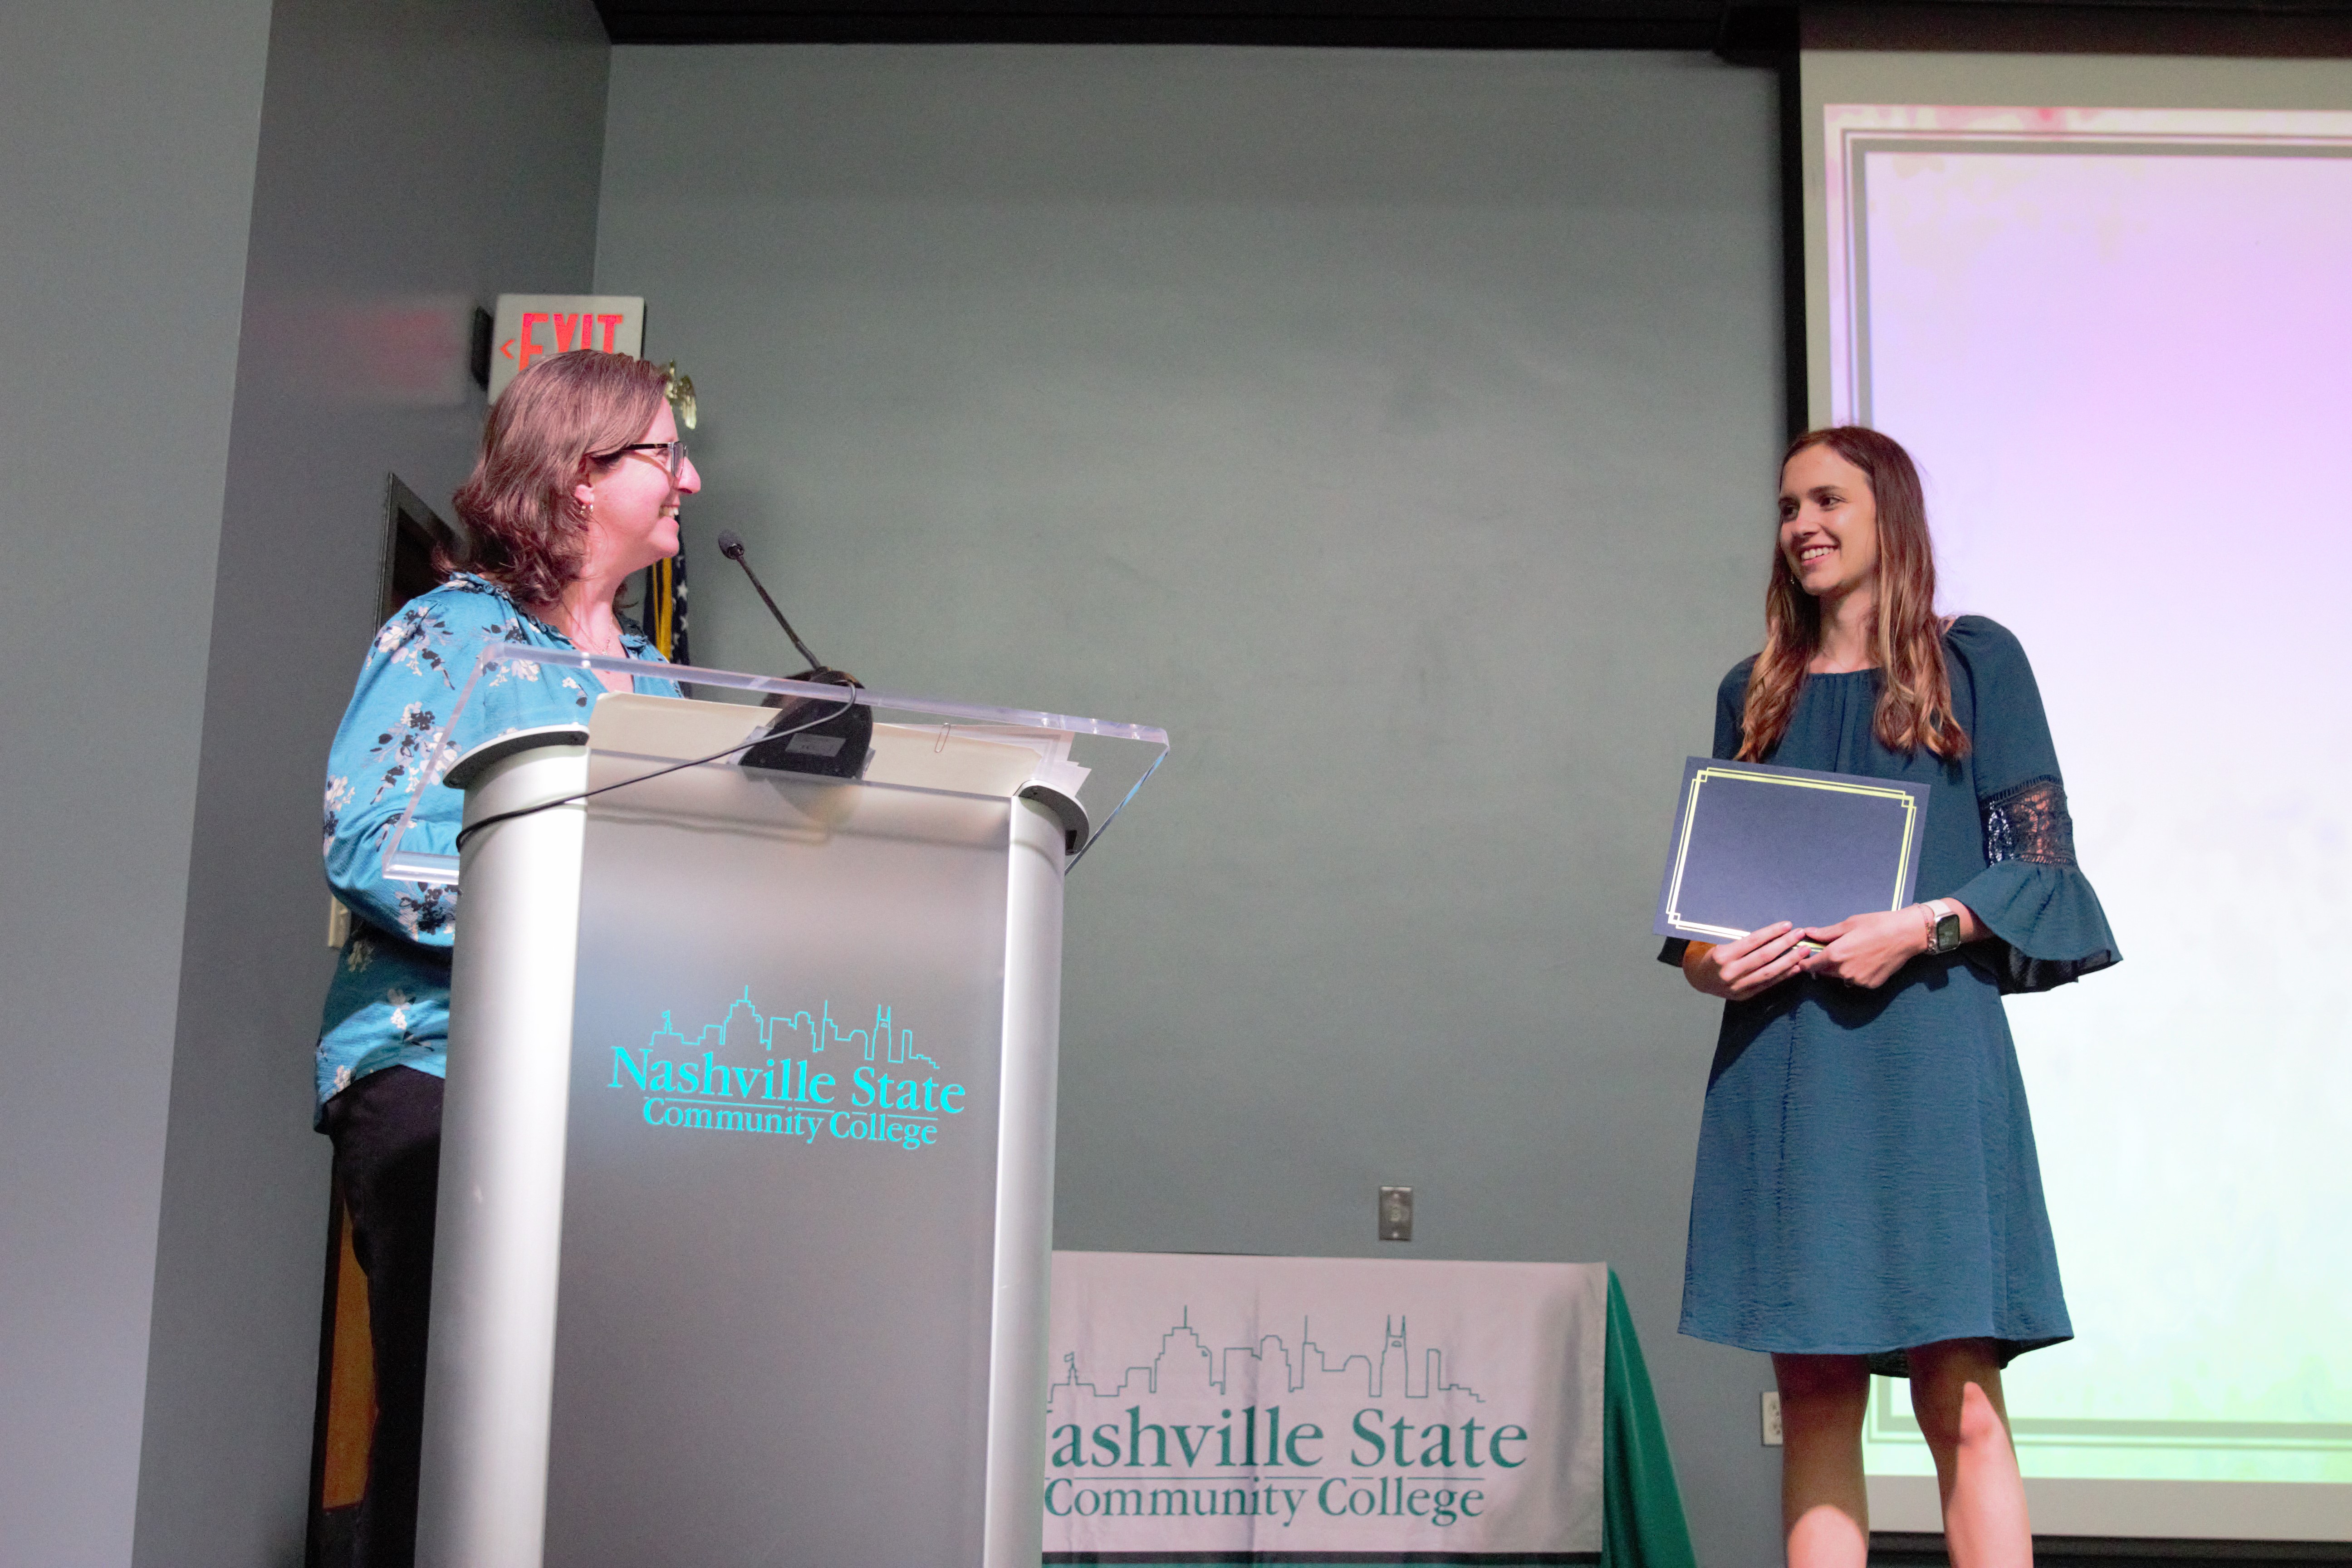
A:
(673, 454)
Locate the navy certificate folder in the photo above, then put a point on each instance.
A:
(1754, 843)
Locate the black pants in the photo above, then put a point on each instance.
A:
(386, 1128)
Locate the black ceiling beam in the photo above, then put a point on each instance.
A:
(1357, 24)
(1749, 30)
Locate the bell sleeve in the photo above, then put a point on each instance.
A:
(2048, 928)
(1730, 702)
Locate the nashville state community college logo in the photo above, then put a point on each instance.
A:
(791, 1075)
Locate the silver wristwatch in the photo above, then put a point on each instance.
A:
(1943, 926)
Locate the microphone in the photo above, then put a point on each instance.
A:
(835, 743)
(731, 545)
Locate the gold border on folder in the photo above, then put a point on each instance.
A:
(1690, 816)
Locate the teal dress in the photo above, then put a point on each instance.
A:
(1866, 1175)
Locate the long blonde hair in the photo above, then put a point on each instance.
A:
(1915, 691)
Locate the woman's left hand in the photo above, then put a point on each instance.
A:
(1866, 949)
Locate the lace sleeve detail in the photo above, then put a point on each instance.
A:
(2030, 823)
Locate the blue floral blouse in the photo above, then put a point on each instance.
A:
(389, 1002)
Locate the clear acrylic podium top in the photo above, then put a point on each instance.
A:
(1096, 762)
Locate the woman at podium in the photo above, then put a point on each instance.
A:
(1867, 1196)
(575, 489)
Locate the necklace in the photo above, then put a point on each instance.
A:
(561, 617)
(610, 646)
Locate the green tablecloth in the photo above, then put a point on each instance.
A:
(1642, 1508)
(1642, 1523)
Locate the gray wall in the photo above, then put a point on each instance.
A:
(410, 152)
(129, 128)
(1396, 429)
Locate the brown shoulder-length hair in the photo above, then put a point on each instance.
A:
(1915, 690)
(552, 427)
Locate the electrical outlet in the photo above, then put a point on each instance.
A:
(1771, 1418)
(1396, 1214)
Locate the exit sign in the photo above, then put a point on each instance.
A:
(529, 327)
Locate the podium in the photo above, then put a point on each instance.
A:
(745, 1223)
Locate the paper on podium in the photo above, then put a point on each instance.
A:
(973, 759)
(1754, 843)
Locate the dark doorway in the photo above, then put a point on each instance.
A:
(412, 532)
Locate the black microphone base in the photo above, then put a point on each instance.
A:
(837, 749)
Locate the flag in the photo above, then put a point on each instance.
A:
(664, 602)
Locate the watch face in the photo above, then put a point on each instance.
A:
(1947, 933)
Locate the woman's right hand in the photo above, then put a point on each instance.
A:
(1735, 971)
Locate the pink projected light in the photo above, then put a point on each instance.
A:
(2119, 341)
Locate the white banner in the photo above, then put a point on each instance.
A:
(1258, 1405)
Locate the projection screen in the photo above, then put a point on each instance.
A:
(2119, 341)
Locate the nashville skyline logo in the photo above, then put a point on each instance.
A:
(883, 1094)
(1415, 1445)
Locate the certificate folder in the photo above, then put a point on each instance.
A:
(1754, 843)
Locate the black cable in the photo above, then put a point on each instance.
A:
(473, 827)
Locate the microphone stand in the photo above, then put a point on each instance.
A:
(835, 746)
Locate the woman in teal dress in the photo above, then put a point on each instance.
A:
(577, 487)
(1867, 1195)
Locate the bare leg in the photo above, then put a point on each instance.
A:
(1823, 1509)
(1956, 1394)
